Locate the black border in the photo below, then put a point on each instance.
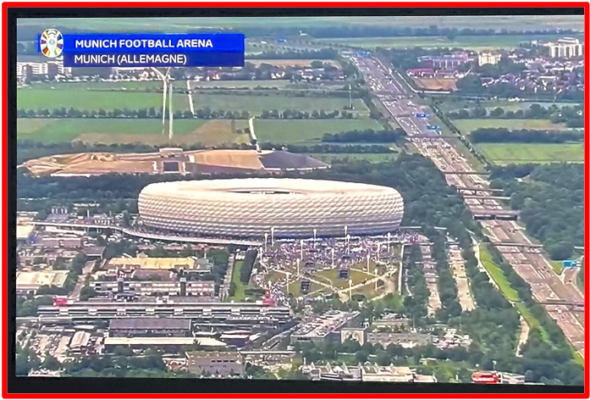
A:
(137, 385)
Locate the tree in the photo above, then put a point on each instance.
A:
(560, 250)
(51, 363)
(317, 64)
(361, 356)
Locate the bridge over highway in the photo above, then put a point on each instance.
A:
(481, 197)
(476, 189)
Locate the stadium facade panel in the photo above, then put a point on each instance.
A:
(252, 207)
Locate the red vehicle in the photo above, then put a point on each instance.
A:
(485, 377)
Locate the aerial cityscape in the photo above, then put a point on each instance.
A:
(366, 199)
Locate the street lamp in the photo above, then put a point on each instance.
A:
(368, 258)
(350, 289)
(298, 261)
(345, 230)
(272, 236)
(348, 240)
(265, 241)
(301, 248)
(376, 279)
(332, 257)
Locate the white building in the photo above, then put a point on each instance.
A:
(488, 57)
(40, 66)
(566, 48)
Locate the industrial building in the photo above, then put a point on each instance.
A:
(325, 327)
(218, 364)
(247, 314)
(181, 287)
(158, 327)
(170, 344)
(488, 57)
(251, 208)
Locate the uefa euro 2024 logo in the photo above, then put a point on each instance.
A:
(51, 43)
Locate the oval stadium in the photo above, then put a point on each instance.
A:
(250, 208)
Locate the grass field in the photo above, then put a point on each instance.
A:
(306, 131)
(256, 104)
(522, 153)
(181, 24)
(82, 99)
(468, 125)
(127, 130)
(239, 294)
(466, 42)
(276, 83)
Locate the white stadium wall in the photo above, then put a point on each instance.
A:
(252, 207)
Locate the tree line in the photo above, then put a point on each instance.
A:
(365, 136)
(551, 203)
(503, 135)
(321, 54)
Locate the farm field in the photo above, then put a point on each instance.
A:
(256, 104)
(468, 125)
(78, 98)
(306, 131)
(465, 42)
(147, 131)
(523, 153)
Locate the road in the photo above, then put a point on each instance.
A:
(531, 265)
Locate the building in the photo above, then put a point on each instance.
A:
(171, 344)
(80, 342)
(404, 339)
(365, 373)
(181, 287)
(566, 48)
(358, 334)
(447, 61)
(232, 314)
(40, 66)
(188, 265)
(488, 57)
(282, 207)
(30, 282)
(390, 321)
(158, 327)
(325, 327)
(221, 364)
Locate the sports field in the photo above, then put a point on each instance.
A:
(466, 42)
(149, 131)
(523, 153)
(468, 125)
(306, 131)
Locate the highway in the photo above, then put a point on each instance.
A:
(532, 266)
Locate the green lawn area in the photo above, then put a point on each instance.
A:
(557, 267)
(522, 153)
(507, 291)
(79, 97)
(256, 104)
(356, 276)
(468, 125)
(307, 131)
(497, 275)
(239, 295)
(67, 129)
(466, 42)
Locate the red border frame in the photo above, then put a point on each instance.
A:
(240, 4)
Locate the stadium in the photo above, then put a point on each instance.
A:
(285, 208)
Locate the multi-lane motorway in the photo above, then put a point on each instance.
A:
(530, 264)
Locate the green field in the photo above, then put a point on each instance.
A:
(522, 153)
(277, 83)
(239, 294)
(308, 131)
(181, 24)
(256, 104)
(468, 125)
(466, 42)
(505, 104)
(507, 291)
(67, 129)
(80, 98)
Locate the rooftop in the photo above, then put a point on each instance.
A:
(150, 323)
(35, 280)
(162, 341)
